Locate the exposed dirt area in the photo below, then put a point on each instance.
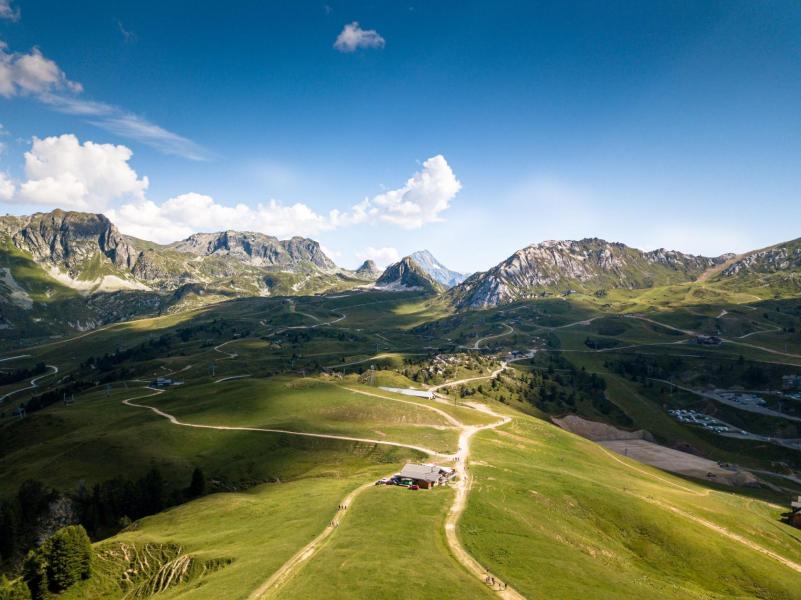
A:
(679, 462)
(595, 431)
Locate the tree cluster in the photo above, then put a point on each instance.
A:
(20, 374)
(59, 563)
(36, 511)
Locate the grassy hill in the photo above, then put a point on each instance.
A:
(548, 513)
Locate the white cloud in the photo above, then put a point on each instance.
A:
(381, 256)
(142, 130)
(63, 172)
(31, 74)
(128, 36)
(353, 37)
(8, 12)
(423, 198)
(7, 187)
(60, 171)
(183, 215)
(35, 75)
(425, 195)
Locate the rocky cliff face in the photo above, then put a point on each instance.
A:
(775, 259)
(590, 264)
(85, 248)
(70, 239)
(256, 249)
(408, 275)
(437, 270)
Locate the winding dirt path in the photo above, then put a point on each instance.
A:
(724, 532)
(175, 421)
(460, 503)
(447, 384)
(219, 348)
(758, 331)
(725, 340)
(699, 520)
(302, 556)
(31, 384)
(449, 418)
(232, 377)
(289, 569)
(477, 346)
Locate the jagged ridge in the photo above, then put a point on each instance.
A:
(590, 264)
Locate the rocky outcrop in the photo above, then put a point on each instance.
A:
(81, 250)
(591, 264)
(407, 275)
(256, 249)
(70, 239)
(775, 259)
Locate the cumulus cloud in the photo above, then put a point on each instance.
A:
(7, 187)
(381, 256)
(427, 194)
(352, 37)
(62, 172)
(183, 215)
(8, 12)
(31, 74)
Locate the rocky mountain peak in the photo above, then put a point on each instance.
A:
(591, 264)
(407, 274)
(256, 249)
(68, 239)
(439, 272)
(368, 270)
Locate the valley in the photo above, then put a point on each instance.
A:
(294, 405)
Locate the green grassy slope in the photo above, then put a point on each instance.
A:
(560, 517)
(256, 530)
(391, 546)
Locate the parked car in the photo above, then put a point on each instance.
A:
(414, 486)
(384, 481)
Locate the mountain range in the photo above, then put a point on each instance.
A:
(62, 258)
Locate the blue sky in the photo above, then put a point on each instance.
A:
(674, 124)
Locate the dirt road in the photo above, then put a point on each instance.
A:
(477, 345)
(272, 586)
(449, 418)
(31, 383)
(492, 375)
(460, 503)
(175, 421)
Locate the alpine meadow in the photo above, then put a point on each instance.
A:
(439, 301)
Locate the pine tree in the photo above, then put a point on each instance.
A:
(152, 492)
(13, 590)
(68, 556)
(35, 575)
(198, 484)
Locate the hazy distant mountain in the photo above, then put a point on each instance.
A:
(584, 265)
(368, 271)
(437, 270)
(408, 274)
